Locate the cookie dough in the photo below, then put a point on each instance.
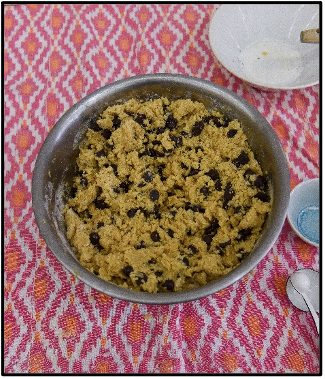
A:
(168, 196)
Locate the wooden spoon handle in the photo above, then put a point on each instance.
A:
(310, 36)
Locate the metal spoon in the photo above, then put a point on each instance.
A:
(303, 292)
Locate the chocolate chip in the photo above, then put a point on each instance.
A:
(84, 181)
(156, 153)
(244, 234)
(94, 126)
(193, 249)
(224, 244)
(241, 160)
(116, 122)
(127, 270)
(218, 185)
(154, 195)
(158, 273)
(109, 146)
(173, 213)
(186, 261)
(231, 133)
(263, 197)
(101, 204)
(160, 130)
(125, 186)
(152, 261)
(141, 245)
(168, 284)
(156, 212)
(197, 128)
(212, 229)
(229, 192)
(142, 278)
(197, 208)
(101, 153)
(226, 121)
(160, 172)
(207, 119)
(249, 172)
(207, 239)
(94, 238)
(140, 117)
(237, 209)
(193, 171)
(167, 151)
(215, 224)
(213, 174)
(141, 185)
(173, 137)
(228, 195)
(179, 141)
(261, 182)
(188, 206)
(131, 212)
(171, 122)
(170, 232)
(144, 153)
(205, 191)
(114, 167)
(184, 167)
(244, 255)
(155, 236)
(107, 133)
(217, 122)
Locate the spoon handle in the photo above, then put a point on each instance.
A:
(312, 311)
(310, 36)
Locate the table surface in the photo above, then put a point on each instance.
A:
(54, 55)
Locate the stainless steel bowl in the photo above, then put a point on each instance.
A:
(55, 166)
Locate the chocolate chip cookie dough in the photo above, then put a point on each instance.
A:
(168, 196)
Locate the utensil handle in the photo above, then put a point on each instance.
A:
(312, 311)
(310, 36)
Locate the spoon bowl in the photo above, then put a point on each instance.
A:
(305, 285)
(312, 290)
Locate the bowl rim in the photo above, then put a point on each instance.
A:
(71, 263)
(237, 73)
(304, 184)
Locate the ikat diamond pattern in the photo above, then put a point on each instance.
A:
(55, 54)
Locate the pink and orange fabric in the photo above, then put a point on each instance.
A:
(55, 54)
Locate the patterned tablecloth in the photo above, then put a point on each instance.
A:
(53, 56)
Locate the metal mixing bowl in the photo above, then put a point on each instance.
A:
(56, 165)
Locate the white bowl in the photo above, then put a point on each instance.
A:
(303, 211)
(260, 43)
